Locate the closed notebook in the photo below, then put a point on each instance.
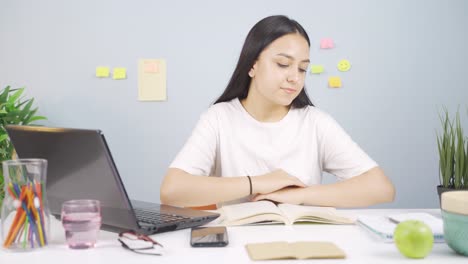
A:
(266, 212)
(296, 250)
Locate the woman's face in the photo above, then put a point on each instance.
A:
(279, 73)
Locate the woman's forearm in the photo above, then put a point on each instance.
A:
(366, 189)
(182, 189)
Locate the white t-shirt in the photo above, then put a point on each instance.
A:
(228, 141)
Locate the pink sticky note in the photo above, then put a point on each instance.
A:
(151, 67)
(327, 43)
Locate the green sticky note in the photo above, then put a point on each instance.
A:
(102, 72)
(316, 69)
(120, 73)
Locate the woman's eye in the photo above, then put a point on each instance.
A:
(282, 65)
(302, 70)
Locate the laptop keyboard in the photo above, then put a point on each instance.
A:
(153, 217)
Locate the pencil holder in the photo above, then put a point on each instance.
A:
(25, 212)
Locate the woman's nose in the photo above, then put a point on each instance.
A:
(293, 75)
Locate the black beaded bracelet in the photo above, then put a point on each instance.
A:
(250, 184)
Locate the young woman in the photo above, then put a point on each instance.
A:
(264, 139)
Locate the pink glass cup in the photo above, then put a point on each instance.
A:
(82, 221)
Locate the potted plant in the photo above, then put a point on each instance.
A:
(453, 155)
(16, 110)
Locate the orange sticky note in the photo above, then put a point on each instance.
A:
(151, 67)
(334, 82)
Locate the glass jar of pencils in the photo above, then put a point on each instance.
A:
(25, 212)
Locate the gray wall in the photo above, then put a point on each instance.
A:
(409, 59)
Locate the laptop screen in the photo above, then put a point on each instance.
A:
(79, 167)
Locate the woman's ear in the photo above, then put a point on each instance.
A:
(252, 70)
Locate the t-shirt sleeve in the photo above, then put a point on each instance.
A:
(339, 154)
(197, 157)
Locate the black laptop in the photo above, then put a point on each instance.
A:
(80, 166)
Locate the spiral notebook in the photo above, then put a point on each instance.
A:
(382, 227)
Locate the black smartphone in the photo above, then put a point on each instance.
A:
(215, 236)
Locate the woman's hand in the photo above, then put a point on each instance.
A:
(274, 181)
(290, 195)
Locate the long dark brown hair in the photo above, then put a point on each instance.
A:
(260, 36)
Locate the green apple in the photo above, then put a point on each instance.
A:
(413, 238)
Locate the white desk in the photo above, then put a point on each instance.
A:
(358, 245)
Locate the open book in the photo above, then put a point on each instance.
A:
(266, 212)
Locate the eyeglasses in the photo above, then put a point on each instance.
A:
(140, 244)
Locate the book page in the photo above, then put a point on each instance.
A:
(317, 214)
(252, 212)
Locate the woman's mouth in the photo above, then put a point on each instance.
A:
(289, 90)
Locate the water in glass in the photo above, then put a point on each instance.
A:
(81, 221)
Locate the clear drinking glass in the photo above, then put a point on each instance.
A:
(82, 221)
(25, 212)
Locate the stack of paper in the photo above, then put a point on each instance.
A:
(384, 226)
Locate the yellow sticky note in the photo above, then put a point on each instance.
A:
(344, 65)
(119, 73)
(316, 69)
(334, 82)
(152, 80)
(102, 72)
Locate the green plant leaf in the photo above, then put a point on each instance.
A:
(19, 104)
(3, 152)
(15, 96)
(36, 118)
(31, 114)
(13, 110)
(26, 110)
(445, 143)
(3, 137)
(465, 179)
(459, 149)
(4, 94)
